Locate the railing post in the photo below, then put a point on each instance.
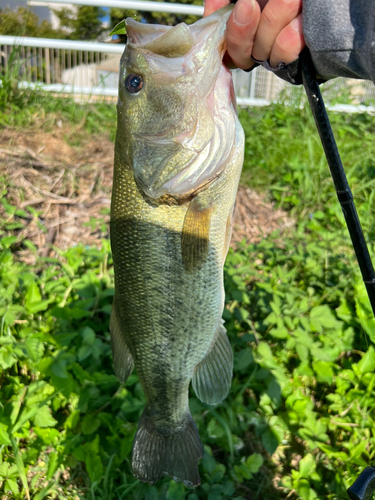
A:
(48, 74)
(252, 83)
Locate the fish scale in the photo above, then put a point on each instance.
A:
(168, 250)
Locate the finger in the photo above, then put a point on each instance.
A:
(241, 28)
(288, 44)
(277, 14)
(211, 6)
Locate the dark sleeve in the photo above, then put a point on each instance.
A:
(340, 35)
(290, 72)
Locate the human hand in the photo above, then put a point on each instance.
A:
(265, 29)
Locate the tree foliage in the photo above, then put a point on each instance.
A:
(82, 24)
(24, 22)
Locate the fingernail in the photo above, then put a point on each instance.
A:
(296, 24)
(243, 12)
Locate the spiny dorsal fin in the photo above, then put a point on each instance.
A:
(195, 235)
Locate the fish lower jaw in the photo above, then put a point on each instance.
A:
(162, 197)
(180, 199)
(154, 199)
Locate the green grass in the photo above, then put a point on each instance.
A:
(46, 112)
(25, 108)
(284, 156)
(299, 417)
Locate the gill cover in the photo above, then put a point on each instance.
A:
(179, 128)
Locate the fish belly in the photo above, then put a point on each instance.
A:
(168, 316)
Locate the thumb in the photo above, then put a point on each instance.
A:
(211, 6)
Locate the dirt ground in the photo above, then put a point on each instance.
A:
(69, 189)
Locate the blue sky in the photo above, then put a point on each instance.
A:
(105, 19)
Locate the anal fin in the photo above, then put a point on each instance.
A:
(213, 376)
(122, 359)
(195, 235)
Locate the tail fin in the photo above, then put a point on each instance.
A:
(176, 455)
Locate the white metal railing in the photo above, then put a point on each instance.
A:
(51, 43)
(91, 68)
(73, 64)
(70, 89)
(148, 6)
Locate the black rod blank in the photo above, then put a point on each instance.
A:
(364, 486)
(338, 174)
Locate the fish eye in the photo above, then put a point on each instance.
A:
(133, 83)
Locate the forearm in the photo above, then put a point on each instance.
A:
(341, 37)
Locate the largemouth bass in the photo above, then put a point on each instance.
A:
(178, 159)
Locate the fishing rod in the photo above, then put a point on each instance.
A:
(340, 181)
(343, 191)
(364, 486)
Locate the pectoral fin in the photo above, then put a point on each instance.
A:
(228, 234)
(213, 376)
(195, 235)
(122, 359)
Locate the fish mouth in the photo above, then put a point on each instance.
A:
(192, 153)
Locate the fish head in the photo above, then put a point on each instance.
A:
(175, 110)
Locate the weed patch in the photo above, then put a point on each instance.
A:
(298, 421)
(299, 414)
